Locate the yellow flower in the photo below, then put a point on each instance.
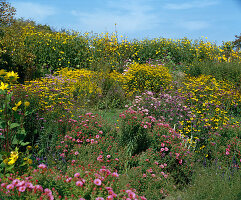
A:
(26, 103)
(18, 104)
(2, 72)
(29, 161)
(13, 158)
(29, 148)
(3, 86)
(12, 76)
(5, 161)
(15, 108)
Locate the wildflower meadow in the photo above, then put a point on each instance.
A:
(97, 116)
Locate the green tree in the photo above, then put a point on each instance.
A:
(237, 42)
(7, 13)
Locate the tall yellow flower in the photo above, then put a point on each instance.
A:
(18, 104)
(13, 157)
(26, 104)
(12, 76)
(3, 86)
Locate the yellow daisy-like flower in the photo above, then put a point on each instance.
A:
(29, 148)
(13, 158)
(18, 104)
(26, 104)
(29, 161)
(3, 86)
(15, 108)
(12, 76)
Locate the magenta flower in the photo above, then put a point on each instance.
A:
(29, 185)
(39, 187)
(68, 179)
(131, 195)
(42, 166)
(115, 174)
(20, 183)
(99, 198)
(100, 158)
(97, 182)
(15, 181)
(48, 191)
(10, 186)
(76, 175)
(79, 183)
(22, 189)
(110, 197)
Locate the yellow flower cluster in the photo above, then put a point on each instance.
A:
(64, 88)
(12, 159)
(210, 100)
(81, 82)
(141, 77)
(7, 77)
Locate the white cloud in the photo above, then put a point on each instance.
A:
(195, 25)
(190, 5)
(33, 11)
(130, 16)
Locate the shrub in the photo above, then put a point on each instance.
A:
(141, 77)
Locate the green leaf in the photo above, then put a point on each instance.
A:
(14, 125)
(22, 132)
(2, 124)
(9, 168)
(15, 140)
(24, 143)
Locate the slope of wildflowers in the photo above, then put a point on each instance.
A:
(173, 119)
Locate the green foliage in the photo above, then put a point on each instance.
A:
(211, 183)
(6, 13)
(222, 71)
(133, 131)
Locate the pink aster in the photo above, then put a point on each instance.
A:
(110, 197)
(76, 175)
(42, 166)
(97, 182)
(20, 183)
(79, 183)
(10, 186)
(68, 179)
(29, 185)
(115, 174)
(15, 181)
(39, 187)
(99, 198)
(22, 189)
(48, 191)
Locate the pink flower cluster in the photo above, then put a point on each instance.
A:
(26, 185)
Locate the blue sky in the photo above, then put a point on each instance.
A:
(218, 20)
